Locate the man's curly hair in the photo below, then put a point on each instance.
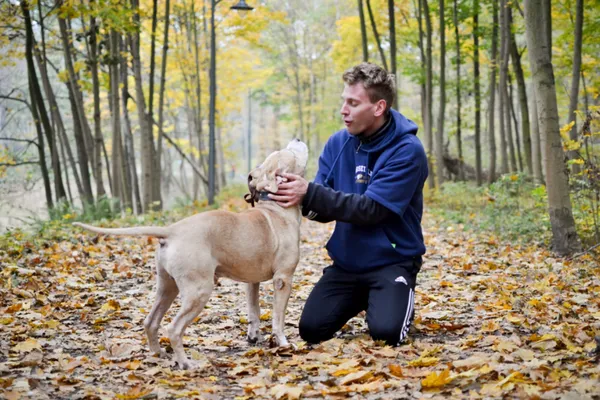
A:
(377, 81)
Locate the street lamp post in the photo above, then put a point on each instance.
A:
(240, 6)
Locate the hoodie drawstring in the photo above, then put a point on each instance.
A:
(335, 162)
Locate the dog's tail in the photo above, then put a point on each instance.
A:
(156, 231)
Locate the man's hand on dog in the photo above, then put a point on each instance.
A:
(291, 191)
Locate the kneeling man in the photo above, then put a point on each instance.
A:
(370, 180)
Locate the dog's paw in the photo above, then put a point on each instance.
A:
(162, 354)
(187, 364)
(253, 339)
(277, 341)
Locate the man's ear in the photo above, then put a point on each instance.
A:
(380, 107)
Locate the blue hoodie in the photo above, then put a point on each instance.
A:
(391, 169)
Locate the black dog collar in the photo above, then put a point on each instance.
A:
(264, 196)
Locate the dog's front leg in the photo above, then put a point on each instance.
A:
(282, 284)
(252, 290)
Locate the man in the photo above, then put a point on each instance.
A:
(370, 180)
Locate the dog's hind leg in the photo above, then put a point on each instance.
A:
(166, 291)
(282, 285)
(252, 290)
(195, 292)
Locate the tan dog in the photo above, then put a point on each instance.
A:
(253, 246)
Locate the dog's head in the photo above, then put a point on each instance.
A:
(266, 177)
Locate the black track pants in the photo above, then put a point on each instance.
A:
(387, 294)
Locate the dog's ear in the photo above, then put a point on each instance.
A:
(252, 197)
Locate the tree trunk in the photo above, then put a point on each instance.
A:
(163, 76)
(376, 34)
(134, 190)
(564, 235)
(422, 79)
(504, 168)
(37, 103)
(477, 89)
(119, 173)
(146, 137)
(516, 125)
(575, 72)
(439, 134)
(363, 31)
(492, 91)
(429, 95)
(392, 15)
(198, 114)
(98, 140)
(58, 122)
(508, 122)
(81, 126)
(515, 57)
(461, 174)
(41, 150)
(536, 146)
(155, 176)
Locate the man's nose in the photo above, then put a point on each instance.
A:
(344, 110)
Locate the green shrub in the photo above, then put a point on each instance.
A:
(511, 208)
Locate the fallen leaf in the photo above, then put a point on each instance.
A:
(424, 362)
(27, 346)
(135, 392)
(288, 392)
(395, 370)
(357, 377)
(435, 380)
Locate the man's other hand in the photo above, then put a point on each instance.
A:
(292, 192)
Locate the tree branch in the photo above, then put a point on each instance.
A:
(18, 163)
(19, 140)
(9, 97)
(192, 164)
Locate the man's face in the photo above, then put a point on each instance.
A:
(358, 113)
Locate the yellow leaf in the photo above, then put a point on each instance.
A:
(524, 354)
(286, 392)
(490, 326)
(6, 321)
(135, 392)
(357, 377)
(424, 362)
(566, 128)
(52, 324)
(110, 306)
(133, 365)
(173, 384)
(514, 319)
(14, 308)
(27, 346)
(243, 320)
(590, 346)
(435, 380)
(571, 144)
(395, 370)
(343, 372)
(266, 316)
(514, 178)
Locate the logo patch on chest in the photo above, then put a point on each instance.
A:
(362, 174)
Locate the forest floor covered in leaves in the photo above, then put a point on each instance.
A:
(493, 320)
